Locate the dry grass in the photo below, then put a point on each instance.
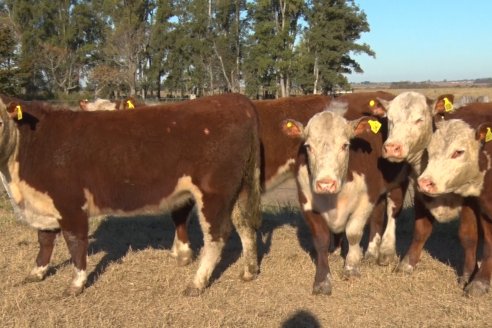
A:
(135, 283)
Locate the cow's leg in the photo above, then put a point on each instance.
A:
(387, 250)
(75, 233)
(245, 217)
(181, 249)
(422, 231)
(46, 239)
(481, 281)
(321, 240)
(216, 226)
(468, 234)
(376, 223)
(354, 231)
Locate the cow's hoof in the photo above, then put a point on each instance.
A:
(477, 288)
(385, 259)
(404, 267)
(32, 278)
(370, 258)
(350, 272)
(250, 273)
(322, 288)
(184, 260)
(73, 291)
(463, 280)
(192, 291)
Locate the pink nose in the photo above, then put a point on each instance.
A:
(326, 186)
(392, 149)
(427, 185)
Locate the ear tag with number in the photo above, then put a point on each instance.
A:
(488, 135)
(18, 109)
(130, 104)
(375, 125)
(448, 105)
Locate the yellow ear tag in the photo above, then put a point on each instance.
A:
(448, 106)
(130, 104)
(488, 135)
(19, 112)
(375, 125)
(372, 103)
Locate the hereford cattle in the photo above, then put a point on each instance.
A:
(412, 121)
(466, 152)
(341, 177)
(62, 167)
(105, 104)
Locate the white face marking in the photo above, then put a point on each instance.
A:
(327, 138)
(409, 123)
(453, 161)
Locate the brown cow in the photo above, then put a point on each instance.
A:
(340, 181)
(279, 153)
(201, 154)
(412, 120)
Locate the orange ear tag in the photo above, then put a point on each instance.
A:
(130, 104)
(19, 112)
(375, 125)
(488, 135)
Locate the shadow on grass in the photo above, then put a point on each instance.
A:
(115, 236)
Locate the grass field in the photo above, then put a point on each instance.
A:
(134, 282)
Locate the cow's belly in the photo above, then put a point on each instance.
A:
(445, 208)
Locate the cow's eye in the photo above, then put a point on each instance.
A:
(345, 146)
(457, 153)
(419, 120)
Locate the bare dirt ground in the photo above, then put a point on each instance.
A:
(133, 282)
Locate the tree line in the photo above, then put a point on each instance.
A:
(154, 48)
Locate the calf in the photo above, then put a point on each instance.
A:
(279, 153)
(466, 153)
(340, 177)
(412, 120)
(201, 154)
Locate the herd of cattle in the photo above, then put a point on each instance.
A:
(353, 158)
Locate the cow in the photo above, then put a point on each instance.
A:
(279, 153)
(105, 104)
(340, 177)
(201, 154)
(412, 119)
(466, 153)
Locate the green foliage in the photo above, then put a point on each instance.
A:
(265, 48)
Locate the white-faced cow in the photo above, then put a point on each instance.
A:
(279, 153)
(62, 167)
(460, 163)
(411, 122)
(341, 177)
(105, 104)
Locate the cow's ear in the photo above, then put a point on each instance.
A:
(14, 109)
(484, 132)
(379, 107)
(443, 104)
(292, 128)
(365, 124)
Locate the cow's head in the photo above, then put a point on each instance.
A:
(410, 123)
(326, 140)
(454, 159)
(83, 104)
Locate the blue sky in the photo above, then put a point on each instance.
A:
(420, 40)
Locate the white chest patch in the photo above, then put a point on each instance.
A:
(445, 208)
(36, 208)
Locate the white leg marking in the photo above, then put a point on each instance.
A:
(388, 244)
(39, 272)
(373, 247)
(180, 249)
(79, 278)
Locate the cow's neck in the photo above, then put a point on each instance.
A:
(418, 161)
